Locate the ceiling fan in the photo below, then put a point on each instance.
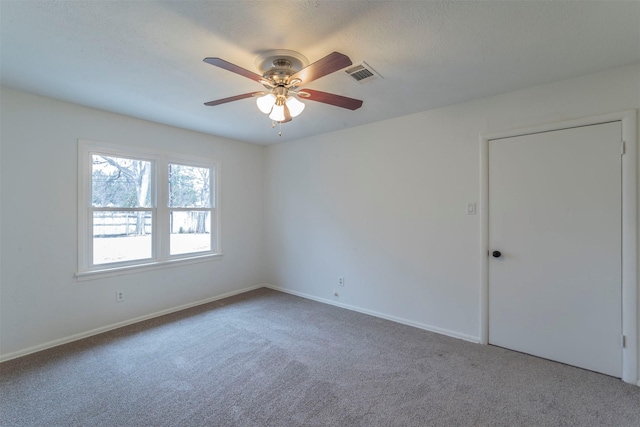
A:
(283, 72)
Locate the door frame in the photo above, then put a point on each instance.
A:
(629, 227)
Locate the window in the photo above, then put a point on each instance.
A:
(189, 209)
(121, 212)
(143, 209)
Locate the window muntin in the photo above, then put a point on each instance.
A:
(140, 208)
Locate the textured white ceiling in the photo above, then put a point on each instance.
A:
(144, 58)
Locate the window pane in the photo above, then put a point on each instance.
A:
(189, 187)
(190, 232)
(120, 182)
(121, 236)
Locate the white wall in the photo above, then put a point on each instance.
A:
(384, 205)
(40, 299)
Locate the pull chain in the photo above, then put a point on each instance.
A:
(273, 125)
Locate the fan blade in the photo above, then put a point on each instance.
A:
(231, 99)
(327, 65)
(333, 99)
(217, 62)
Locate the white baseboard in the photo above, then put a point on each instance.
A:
(96, 331)
(418, 325)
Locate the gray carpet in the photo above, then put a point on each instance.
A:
(265, 358)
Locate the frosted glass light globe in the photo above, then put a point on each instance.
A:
(277, 114)
(295, 106)
(266, 103)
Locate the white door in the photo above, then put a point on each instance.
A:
(555, 216)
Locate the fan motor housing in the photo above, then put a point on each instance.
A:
(280, 64)
(279, 75)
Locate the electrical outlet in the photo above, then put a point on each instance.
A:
(340, 281)
(119, 296)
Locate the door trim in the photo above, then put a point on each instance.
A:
(629, 227)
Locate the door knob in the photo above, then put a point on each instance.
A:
(496, 254)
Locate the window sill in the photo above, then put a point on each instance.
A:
(155, 265)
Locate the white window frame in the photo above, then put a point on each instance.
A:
(160, 210)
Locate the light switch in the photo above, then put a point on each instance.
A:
(471, 208)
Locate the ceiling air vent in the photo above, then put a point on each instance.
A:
(363, 73)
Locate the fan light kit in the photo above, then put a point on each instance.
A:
(283, 72)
